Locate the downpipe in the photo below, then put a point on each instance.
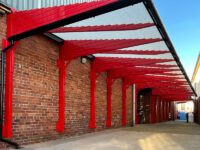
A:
(3, 51)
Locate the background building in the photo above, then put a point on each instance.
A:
(185, 107)
(196, 77)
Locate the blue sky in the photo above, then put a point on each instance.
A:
(182, 22)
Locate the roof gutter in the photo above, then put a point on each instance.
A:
(4, 9)
(155, 16)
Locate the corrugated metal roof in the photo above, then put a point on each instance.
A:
(32, 4)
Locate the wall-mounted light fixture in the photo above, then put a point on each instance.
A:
(83, 60)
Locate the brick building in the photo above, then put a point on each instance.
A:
(35, 90)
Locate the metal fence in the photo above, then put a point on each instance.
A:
(31, 4)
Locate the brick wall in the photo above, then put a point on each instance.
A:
(2, 28)
(2, 36)
(35, 97)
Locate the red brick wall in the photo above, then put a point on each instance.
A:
(35, 97)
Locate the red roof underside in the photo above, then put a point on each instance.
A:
(169, 85)
(23, 21)
(76, 48)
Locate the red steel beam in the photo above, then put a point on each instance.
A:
(120, 27)
(139, 52)
(77, 48)
(162, 66)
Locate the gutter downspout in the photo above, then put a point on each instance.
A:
(2, 96)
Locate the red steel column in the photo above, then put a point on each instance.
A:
(159, 109)
(152, 109)
(124, 85)
(170, 110)
(93, 77)
(164, 112)
(7, 127)
(167, 110)
(109, 103)
(136, 101)
(156, 113)
(62, 82)
(154, 106)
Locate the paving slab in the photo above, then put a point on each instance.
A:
(161, 136)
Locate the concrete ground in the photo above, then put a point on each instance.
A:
(162, 136)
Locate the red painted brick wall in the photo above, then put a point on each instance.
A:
(35, 97)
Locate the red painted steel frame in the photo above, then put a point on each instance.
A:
(42, 18)
(103, 64)
(7, 127)
(77, 48)
(93, 76)
(62, 65)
